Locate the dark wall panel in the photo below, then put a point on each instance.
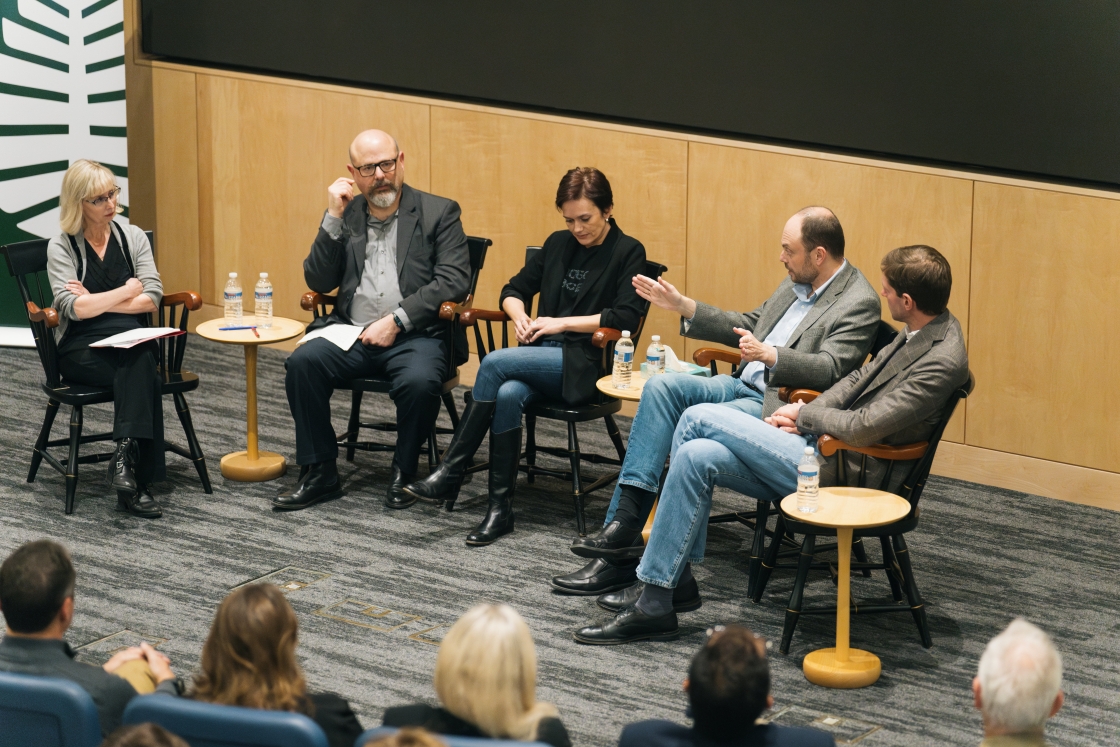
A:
(1027, 87)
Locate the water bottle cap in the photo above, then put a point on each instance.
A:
(625, 333)
(264, 274)
(233, 274)
(656, 338)
(809, 451)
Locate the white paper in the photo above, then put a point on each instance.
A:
(135, 337)
(342, 335)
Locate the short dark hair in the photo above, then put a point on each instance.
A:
(821, 227)
(34, 582)
(728, 683)
(143, 735)
(586, 182)
(921, 272)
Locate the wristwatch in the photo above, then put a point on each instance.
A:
(400, 324)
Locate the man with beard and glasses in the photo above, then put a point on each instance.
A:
(395, 254)
(817, 327)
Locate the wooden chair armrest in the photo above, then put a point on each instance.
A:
(470, 317)
(448, 309)
(48, 315)
(604, 335)
(190, 299)
(704, 356)
(311, 299)
(828, 445)
(789, 394)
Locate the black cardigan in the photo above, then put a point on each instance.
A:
(441, 721)
(608, 292)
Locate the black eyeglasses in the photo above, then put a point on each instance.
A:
(387, 167)
(99, 201)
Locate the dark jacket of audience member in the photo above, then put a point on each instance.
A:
(249, 659)
(728, 689)
(143, 735)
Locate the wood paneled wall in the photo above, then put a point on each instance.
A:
(239, 165)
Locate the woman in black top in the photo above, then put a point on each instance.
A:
(583, 276)
(105, 282)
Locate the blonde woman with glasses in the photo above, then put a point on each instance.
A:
(486, 681)
(105, 282)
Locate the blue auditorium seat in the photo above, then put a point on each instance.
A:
(46, 712)
(386, 731)
(210, 725)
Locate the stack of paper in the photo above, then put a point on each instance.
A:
(136, 336)
(342, 335)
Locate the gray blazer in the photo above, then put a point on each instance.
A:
(833, 338)
(895, 399)
(433, 264)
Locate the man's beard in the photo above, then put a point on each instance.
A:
(383, 199)
(806, 275)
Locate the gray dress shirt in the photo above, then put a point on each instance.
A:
(379, 292)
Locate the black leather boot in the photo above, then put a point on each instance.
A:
(122, 469)
(320, 483)
(395, 496)
(442, 486)
(140, 503)
(505, 453)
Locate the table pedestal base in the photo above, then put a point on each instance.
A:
(267, 466)
(823, 668)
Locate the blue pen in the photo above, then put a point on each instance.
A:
(228, 329)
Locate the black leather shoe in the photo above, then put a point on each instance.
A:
(442, 486)
(686, 597)
(395, 495)
(505, 453)
(321, 483)
(598, 577)
(122, 468)
(630, 625)
(140, 503)
(614, 541)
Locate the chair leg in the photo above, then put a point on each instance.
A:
(771, 559)
(616, 437)
(577, 480)
(793, 611)
(44, 436)
(531, 446)
(757, 546)
(861, 554)
(433, 450)
(72, 462)
(894, 573)
(354, 425)
(917, 606)
(452, 413)
(192, 442)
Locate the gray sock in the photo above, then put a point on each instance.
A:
(656, 601)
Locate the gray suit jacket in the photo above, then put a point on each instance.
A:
(895, 399)
(433, 264)
(833, 338)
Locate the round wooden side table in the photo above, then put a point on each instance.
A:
(845, 509)
(631, 394)
(251, 465)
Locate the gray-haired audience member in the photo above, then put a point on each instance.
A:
(143, 735)
(728, 688)
(1018, 686)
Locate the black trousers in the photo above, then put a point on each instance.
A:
(415, 365)
(137, 402)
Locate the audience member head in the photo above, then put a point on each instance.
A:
(1019, 681)
(729, 684)
(377, 167)
(486, 673)
(143, 735)
(917, 281)
(249, 658)
(84, 182)
(812, 245)
(585, 199)
(37, 589)
(408, 737)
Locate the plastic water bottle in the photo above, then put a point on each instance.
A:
(623, 361)
(655, 356)
(262, 302)
(808, 481)
(233, 298)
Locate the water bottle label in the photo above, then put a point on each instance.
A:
(263, 295)
(625, 357)
(804, 474)
(230, 296)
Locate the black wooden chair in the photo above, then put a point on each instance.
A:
(320, 304)
(896, 556)
(603, 338)
(27, 262)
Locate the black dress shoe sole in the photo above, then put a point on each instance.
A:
(587, 591)
(438, 500)
(484, 542)
(404, 504)
(689, 605)
(619, 553)
(666, 636)
(300, 506)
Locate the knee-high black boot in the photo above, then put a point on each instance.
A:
(443, 484)
(505, 453)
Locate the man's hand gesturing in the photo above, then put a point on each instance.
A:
(339, 196)
(664, 295)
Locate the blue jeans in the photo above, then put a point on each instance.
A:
(712, 446)
(514, 376)
(664, 400)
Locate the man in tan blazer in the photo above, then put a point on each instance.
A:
(896, 397)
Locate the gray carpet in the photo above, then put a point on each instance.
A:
(376, 589)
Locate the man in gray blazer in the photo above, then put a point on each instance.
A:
(896, 397)
(395, 254)
(819, 325)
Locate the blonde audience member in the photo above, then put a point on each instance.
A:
(143, 735)
(408, 737)
(486, 681)
(1018, 686)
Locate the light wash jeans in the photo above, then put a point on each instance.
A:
(514, 376)
(714, 445)
(664, 400)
